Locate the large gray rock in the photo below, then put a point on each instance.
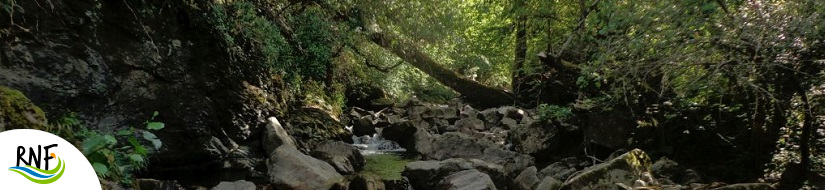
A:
(275, 136)
(491, 115)
(235, 185)
(549, 183)
(509, 123)
(470, 124)
(312, 126)
(443, 112)
(511, 112)
(467, 180)
(527, 180)
(366, 182)
(535, 139)
(408, 136)
(290, 169)
(425, 174)
(364, 125)
(458, 145)
(416, 112)
(559, 171)
(624, 169)
(469, 112)
(345, 158)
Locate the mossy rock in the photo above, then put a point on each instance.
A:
(18, 112)
(624, 169)
(311, 126)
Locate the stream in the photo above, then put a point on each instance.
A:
(376, 144)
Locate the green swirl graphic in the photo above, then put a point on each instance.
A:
(60, 167)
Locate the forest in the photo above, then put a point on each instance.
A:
(424, 94)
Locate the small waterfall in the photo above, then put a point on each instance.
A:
(376, 144)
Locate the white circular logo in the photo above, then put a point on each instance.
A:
(35, 159)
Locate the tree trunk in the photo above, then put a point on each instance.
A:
(807, 121)
(521, 49)
(474, 92)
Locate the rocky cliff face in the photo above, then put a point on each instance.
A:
(114, 63)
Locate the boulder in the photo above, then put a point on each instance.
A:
(689, 176)
(666, 168)
(469, 112)
(470, 123)
(366, 182)
(235, 185)
(345, 158)
(549, 183)
(491, 115)
(624, 170)
(511, 112)
(290, 169)
(397, 184)
(275, 136)
(447, 113)
(408, 136)
(458, 145)
(509, 123)
(415, 112)
(393, 119)
(17, 112)
(311, 126)
(535, 139)
(425, 174)
(747, 186)
(527, 180)
(467, 180)
(559, 171)
(364, 125)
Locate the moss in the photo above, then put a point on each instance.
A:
(18, 112)
(311, 126)
(384, 166)
(623, 169)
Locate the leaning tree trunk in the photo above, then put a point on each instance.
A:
(520, 50)
(472, 91)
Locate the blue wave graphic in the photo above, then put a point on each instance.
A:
(31, 172)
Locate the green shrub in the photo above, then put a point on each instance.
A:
(554, 113)
(116, 156)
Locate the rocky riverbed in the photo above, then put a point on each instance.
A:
(415, 145)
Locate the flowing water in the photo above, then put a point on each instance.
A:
(383, 157)
(375, 144)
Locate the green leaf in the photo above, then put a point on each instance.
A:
(125, 132)
(152, 138)
(136, 158)
(139, 148)
(100, 169)
(110, 140)
(96, 142)
(155, 126)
